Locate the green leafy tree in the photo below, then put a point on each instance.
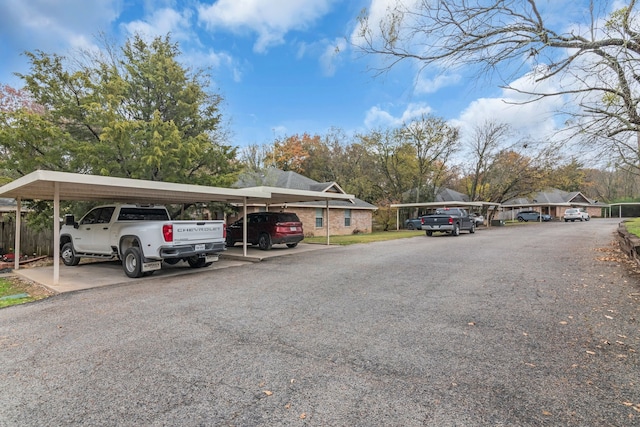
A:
(569, 177)
(133, 112)
(433, 141)
(394, 162)
(512, 174)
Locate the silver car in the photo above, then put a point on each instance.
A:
(573, 214)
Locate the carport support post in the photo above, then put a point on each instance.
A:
(328, 227)
(56, 233)
(398, 219)
(16, 244)
(244, 227)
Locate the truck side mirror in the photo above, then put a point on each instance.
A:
(70, 220)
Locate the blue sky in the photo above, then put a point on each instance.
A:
(283, 66)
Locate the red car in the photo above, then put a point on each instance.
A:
(268, 228)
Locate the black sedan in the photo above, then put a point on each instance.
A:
(413, 224)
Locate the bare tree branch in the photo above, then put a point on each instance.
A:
(595, 65)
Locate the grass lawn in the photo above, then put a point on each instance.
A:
(377, 236)
(14, 291)
(633, 226)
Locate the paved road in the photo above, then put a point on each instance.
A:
(527, 325)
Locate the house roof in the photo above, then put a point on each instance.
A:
(552, 196)
(446, 197)
(276, 178)
(8, 205)
(449, 195)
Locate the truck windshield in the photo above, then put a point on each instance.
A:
(143, 214)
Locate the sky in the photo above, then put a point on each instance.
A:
(283, 67)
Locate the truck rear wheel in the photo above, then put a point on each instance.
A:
(456, 230)
(132, 262)
(473, 228)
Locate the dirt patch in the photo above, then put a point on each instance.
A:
(35, 290)
(613, 253)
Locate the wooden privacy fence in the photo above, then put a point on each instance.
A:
(31, 242)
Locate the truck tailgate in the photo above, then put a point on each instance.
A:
(436, 220)
(197, 231)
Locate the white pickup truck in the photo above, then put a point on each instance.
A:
(142, 236)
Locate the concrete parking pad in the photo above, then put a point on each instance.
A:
(92, 274)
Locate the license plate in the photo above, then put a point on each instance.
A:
(211, 258)
(200, 247)
(151, 266)
(293, 228)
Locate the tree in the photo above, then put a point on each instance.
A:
(433, 142)
(596, 65)
(569, 177)
(394, 163)
(290, 153)
(485, 144)
(254, 157)
(135, 112)
(27, 141)
(511, 175)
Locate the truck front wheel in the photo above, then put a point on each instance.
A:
(69, 255)
(132, 262)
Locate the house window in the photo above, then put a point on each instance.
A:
(347, 217)
(318, 218)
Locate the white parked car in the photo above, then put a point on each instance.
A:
(479, 219)
(573, 214)
(585, 215)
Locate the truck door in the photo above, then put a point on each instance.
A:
(94, 229)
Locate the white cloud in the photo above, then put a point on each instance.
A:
(49, 26)
(425, 85)
(42, 24)
(377, 117)
(271, 20)
(536, 120)
(333, 52)
(162, 22)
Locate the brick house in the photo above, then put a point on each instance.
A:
(553, 202)
(344, 217)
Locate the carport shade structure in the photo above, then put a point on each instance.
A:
(56, 186)
(451, 204)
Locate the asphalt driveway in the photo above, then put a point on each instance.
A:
(529, 325)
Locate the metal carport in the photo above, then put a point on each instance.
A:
(451, 204)
(56, 186)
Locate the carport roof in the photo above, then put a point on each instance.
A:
(41, 184)
(450, 204)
